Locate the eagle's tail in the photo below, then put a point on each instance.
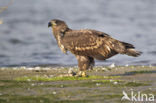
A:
(130, 50)
(133, 52)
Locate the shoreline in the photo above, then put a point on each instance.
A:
(46, 84)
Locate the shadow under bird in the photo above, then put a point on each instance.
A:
(88, 44)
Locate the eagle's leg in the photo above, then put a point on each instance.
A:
(92, 63)
(84, 63)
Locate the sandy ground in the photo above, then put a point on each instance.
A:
(49, 85)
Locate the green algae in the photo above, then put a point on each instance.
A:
(45, 78)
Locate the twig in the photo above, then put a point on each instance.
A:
(5, 7)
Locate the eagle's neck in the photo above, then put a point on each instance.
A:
(59, 34)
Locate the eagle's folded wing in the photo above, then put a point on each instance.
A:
(88, 42)
(82, 40)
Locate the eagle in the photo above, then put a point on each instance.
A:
(88, 44)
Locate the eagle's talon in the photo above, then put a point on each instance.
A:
(81, 74)
(84, 74)
(78, 74)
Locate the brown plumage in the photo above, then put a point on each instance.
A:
(88, 44)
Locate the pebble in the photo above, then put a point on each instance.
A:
(71, 72)
(28, 80)
(115, 83)
(97, 84)
(112, 65)
(54, 92)
(150, 65)
(62, 86)
(68, 96)
(32, 84)
(126, 65)
(0, 93)
(51, 75)
(104, 69)
(41, 101)
(41, 83)
(111, 80)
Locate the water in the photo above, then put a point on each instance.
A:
(26, 40)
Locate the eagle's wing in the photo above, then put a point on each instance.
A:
(89, 43)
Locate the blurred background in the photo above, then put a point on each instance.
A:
(26, 40)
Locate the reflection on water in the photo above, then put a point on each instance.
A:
(25, 38)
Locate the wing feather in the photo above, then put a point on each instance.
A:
(82, 40)
(88, 42)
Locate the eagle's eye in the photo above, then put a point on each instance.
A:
(54, 23)
(57, 22)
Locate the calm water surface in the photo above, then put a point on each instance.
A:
(26, 40)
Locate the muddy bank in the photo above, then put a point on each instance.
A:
(48, 85)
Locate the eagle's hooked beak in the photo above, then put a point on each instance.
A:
(49, 24)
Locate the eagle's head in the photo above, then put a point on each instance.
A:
(59, 28)
(57, 25)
